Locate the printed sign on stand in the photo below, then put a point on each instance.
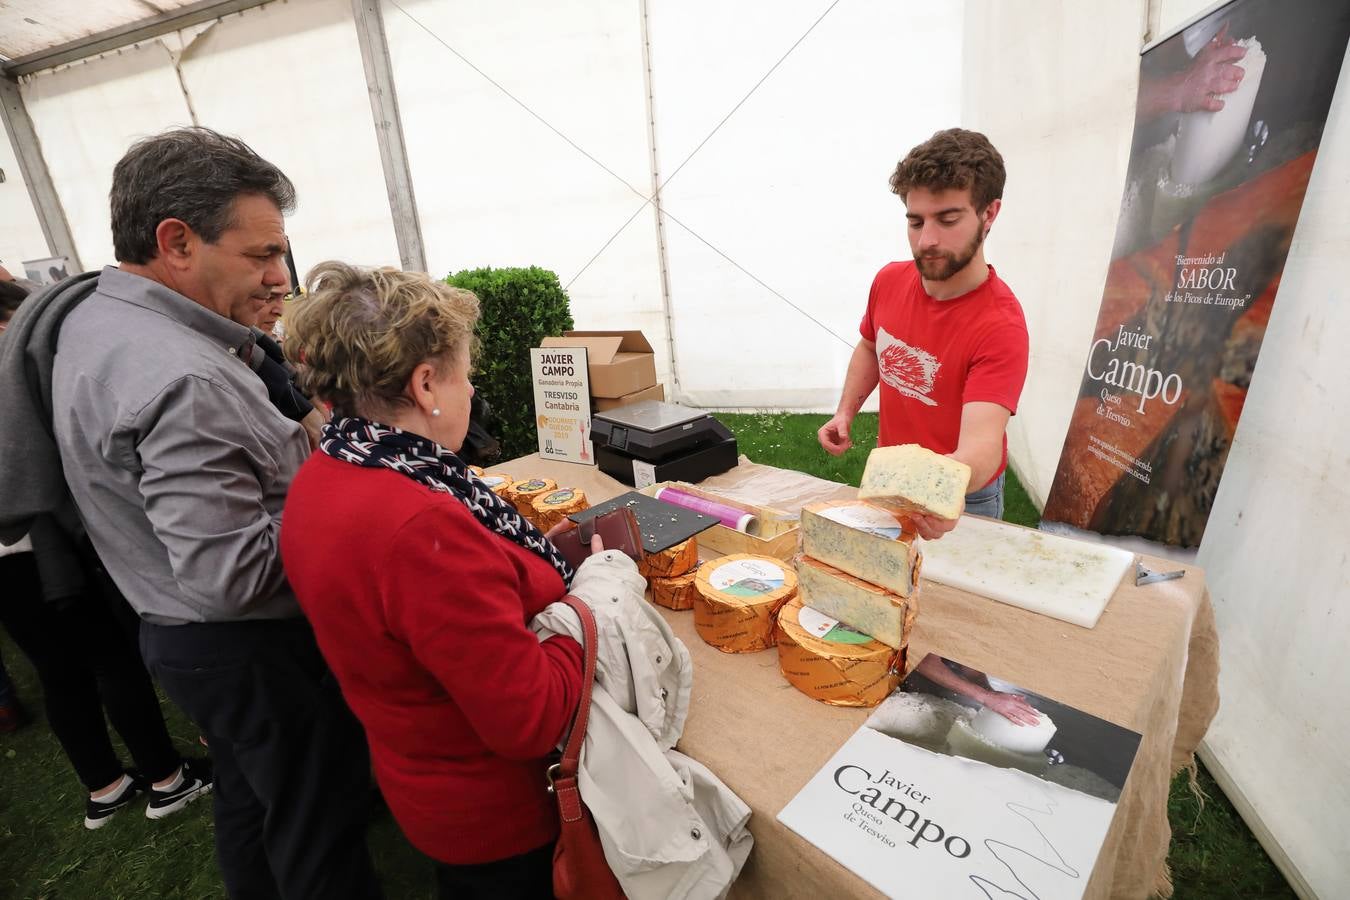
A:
(1228, 126)
(562, 403)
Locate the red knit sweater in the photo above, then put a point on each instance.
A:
(421, 613)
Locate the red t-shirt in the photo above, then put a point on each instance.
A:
(421, 613)
(934, 356)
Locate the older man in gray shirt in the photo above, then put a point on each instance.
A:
(179, 467)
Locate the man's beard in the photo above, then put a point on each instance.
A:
(942, 266)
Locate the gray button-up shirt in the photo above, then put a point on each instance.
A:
(178, 463)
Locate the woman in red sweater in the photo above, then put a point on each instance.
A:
(419, 581)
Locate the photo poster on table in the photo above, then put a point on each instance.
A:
(48, 271)
(562, 403)
(941, 794)
(1210, 205)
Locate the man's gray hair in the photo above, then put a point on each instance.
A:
(192, 174)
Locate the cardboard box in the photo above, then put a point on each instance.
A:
(619, 362)
(775, 534)
(655, 392)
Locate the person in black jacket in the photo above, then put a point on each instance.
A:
(72, 630)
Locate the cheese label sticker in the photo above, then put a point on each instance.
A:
(865, 518)
(534, 484)
(492, 481)
(563, 496)
(819, 625)
(747, 578)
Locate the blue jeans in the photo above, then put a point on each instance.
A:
(988, 500)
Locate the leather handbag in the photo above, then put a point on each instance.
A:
(579, 866)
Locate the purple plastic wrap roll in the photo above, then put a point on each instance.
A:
(730, 516)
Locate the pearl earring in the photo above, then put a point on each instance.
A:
(436, 411)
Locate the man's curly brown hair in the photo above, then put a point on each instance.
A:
(952, 160)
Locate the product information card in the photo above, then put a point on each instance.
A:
(964, 785)
(562, 403)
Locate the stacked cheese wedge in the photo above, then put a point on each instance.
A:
(845, 643)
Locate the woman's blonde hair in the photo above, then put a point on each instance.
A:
(357, 334)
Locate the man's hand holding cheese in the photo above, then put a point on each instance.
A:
(943, 336)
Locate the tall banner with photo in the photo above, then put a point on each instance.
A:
(1229, 118)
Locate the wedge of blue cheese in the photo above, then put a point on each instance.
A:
(872, 610)
(914, 479)
(863, 540)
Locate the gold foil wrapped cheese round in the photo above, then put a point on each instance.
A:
(677, 560)
(738, 601)
(676, 592)
(497, 482)
(477, 470)
(553, 507)
(522, 494)
(830, 662)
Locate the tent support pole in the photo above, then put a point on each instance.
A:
(662, 259)
(398, 184)
(46, 203)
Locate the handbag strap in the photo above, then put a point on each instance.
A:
(571, 757)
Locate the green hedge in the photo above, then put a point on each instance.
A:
(520, 307)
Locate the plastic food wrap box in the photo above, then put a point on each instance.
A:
(775, 534)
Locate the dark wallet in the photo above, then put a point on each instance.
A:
(618, 530)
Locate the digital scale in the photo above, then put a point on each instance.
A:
(651, 441)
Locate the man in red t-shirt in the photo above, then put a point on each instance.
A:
(943, 336)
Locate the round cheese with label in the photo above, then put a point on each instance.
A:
(829, 661)
(738, 601)
(553, 507)
(522, 494)
(497, 482)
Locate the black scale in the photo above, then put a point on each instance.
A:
(666, 441)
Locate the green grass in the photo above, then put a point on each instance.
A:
(45, 852)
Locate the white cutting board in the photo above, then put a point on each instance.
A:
(1044, 573)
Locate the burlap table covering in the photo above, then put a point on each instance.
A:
(1151, 665)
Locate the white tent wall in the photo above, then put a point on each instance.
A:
(20, 231)
(787, 203)
(526, 130)
(85, 116)
(285, 77)
(1053, 84)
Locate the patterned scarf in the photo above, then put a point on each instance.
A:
(362, 443)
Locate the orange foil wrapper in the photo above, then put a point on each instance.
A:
(522, 494)
(553, 507)
(834, 663)
(498, 482)
(677, 592)
(739, 596)
(677, 560)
